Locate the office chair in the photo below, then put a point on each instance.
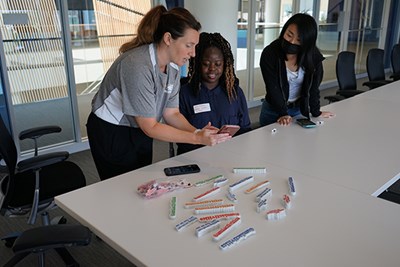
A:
(346, 77)
(375, 68)
(29, 187)
(395, 60)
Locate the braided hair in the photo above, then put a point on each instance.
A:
(228, 80)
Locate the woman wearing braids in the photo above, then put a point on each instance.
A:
(139, 89)
(212, 94)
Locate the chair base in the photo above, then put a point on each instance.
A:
(10, 239)
(58, 237)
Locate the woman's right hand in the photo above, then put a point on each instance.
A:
(210, 137)
(285, 120)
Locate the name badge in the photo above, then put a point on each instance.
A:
(201, 108)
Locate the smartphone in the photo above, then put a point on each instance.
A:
(230, 129)
(184, 169)
(306, 123)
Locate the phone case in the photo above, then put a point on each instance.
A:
(230, 129)
(306, 123)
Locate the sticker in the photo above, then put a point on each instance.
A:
(201, 108)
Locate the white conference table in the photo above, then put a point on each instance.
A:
(359, 148)
(335, 219)
(328, 225)
(389, 93)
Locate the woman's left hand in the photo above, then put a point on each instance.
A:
(327, 114)
(210, 127)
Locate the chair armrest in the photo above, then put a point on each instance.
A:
(52, 236)
(39, 131)
(41, 161)
(349, 93)
(375, 84)
(334, 98)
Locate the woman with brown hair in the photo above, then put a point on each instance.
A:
(141, 88)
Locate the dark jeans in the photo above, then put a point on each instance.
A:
(117, 149)
(268, 115)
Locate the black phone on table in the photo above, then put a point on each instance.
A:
(306, 123)
(184, 169)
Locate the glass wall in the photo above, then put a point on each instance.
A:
(36, 68)
(3, 106)
(56, 54)
(98, 29)
(343, 25)
(365, 29)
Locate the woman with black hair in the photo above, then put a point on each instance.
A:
(212, 94)
(292, 71)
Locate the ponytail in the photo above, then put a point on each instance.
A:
(157, 22)
(146, 29)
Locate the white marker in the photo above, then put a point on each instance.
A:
(250, 170)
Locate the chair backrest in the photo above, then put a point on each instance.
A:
(395, 58)
(375, 68)
(345, 72)
(8, 153)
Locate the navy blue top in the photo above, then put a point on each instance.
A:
(212, 106)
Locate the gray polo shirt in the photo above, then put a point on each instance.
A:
(135, 86)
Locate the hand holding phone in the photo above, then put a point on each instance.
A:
(230, 129)
(306, 123)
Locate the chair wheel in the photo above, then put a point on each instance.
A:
(58, 220)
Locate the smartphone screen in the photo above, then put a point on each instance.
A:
(230, 129)
(306, 123)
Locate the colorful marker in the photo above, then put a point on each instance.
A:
(276, 214)
(240, 183)
(182, 225)
(231, 196)
(222, 216)
(292, 188)
(220, 181)
(286, 201)
(264, 194)
(197, 204)
(227, 228)
(209, 180)
(262, 205)
(206, 228)
(172, 208)
(206, 194)
(237, 239)
(257, 186)
(215, 209)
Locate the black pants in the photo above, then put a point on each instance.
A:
(117, 149)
